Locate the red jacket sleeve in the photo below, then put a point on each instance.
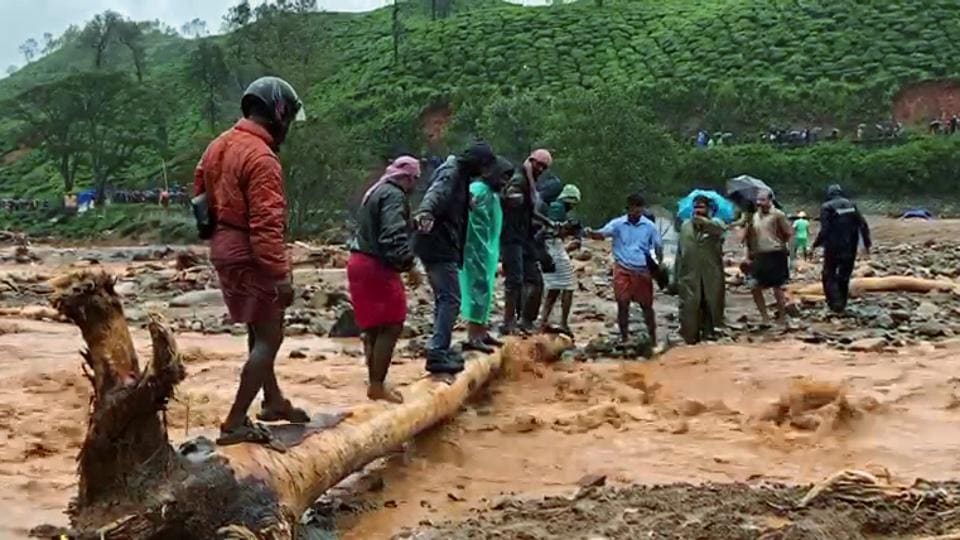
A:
(198, 183)
(268, 215)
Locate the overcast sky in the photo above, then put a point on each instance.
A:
(23, 19)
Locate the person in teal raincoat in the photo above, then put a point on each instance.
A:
(480, 257)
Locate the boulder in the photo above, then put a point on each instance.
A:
(932, 329)
(345, 326)
(927, 310)
(876, 344)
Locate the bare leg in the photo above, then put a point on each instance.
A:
(650, 318)
(761, 304)
(257, 372)
(386, 340)
(548, 303)
(369, 341)
(566, 304)
(781, 299)
(623, 319)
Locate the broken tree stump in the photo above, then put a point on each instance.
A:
(133, 484)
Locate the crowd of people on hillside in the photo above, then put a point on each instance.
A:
(479, 212)
(792, 137)
(20, 205)
(945, 125)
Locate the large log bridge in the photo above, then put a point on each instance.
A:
(134, 484)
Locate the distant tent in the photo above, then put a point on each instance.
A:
(86, 200)
(918, 213)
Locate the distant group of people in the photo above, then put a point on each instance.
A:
(798, 137)
(164, 197)
(19, 205)
(806, 136)
(945, 125)
(480, 213)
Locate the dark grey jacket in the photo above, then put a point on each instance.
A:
(448, 200)
(384, 227)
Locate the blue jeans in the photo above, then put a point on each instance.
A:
(445, 282)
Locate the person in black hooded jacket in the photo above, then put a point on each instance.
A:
(441, 222)
(841, 228)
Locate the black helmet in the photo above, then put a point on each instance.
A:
(275, 97)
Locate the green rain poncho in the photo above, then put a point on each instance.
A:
(481, 254)
(700, 278)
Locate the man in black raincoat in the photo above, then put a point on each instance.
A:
(841, 227)
(441, 222)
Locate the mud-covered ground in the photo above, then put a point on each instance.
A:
(790, 404)
(738, 511)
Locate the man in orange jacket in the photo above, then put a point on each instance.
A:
(241, 175)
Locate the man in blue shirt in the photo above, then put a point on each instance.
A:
(634, 238)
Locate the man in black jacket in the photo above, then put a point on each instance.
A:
(441, 222)
(841, 227)
(521, 251)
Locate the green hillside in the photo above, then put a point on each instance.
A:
(521, 77)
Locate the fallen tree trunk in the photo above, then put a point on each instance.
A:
(860, 286)
(133, 484)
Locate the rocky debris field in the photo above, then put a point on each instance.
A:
(850, 505)
(181, 283)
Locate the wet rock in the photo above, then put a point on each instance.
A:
(884, 320)
(345, 326)
(296, 330)
(187, 259)
(523, 423)
(206, 297)
(927, 310)
(876, 344)
(900, 316)
(126, 288)
(806, 422)
(592, 480)
(328, 299)
(691, 407)
(932, 329)
(679, 427)
(583, 255)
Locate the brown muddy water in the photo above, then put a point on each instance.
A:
(734, 412)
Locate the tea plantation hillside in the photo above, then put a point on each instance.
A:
(509, 73)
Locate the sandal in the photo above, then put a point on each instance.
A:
(250, 432)
(477, 345)
(492, 341)
(288, 413)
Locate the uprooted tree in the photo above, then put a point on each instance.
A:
(134, 484)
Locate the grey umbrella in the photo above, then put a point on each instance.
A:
(744, 189)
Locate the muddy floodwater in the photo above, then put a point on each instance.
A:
(766, 407)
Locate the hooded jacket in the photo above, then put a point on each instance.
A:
(841, 225)
(241, 174)
(447, 200)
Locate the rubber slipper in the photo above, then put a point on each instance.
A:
(248, 432)
(294, 415)
(492, 341)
